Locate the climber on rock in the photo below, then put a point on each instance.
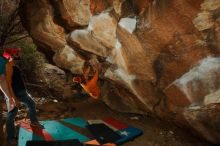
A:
(90, 86)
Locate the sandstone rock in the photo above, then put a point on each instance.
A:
(203, 21)
(51, 69)
(97, 6)
(141, 5)
(212, 98)
(55, 81)
(86, 42)
(133, 55)
(112, 96)
(211, 36)
(103, 28)
(125, 8)
(210, 5)
(133, 69)
(193, 86)
(128, 24)
(75, 12)
(155, 53)
(67, 58)
(42, 26)
(99, 37)
(205, 120)
(117, 4)
(131, 64)
(215, 38)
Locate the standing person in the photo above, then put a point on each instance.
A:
(18, 89)
(9, 98)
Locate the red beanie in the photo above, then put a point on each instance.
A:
(10, 52)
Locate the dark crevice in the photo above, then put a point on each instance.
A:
(58, 18)
(129, 9)
(45, 50)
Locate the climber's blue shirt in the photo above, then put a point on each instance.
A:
(2, 66)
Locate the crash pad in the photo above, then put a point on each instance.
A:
(53, 130)
(75, 128)
(126, 132)
(102, 133)
(73, 142)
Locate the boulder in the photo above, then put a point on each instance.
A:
(67, 58)
(158, 57)
(75, 13)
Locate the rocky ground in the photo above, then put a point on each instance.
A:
(156, 132)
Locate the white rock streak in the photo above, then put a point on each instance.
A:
(128, 24)
(69, 53)
(118, 57)
(204, 74)
(103, 28)
(67, 58)
(124, 75)
(104, 17)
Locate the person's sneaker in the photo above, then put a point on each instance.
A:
(12, 142)
(37, 124)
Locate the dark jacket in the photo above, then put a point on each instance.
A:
(17, 81)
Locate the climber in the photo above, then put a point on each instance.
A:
(90, 86)
(9, 99)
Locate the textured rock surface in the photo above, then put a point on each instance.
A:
(75, 13)
(200, 81)
(55, 81)
(155, 56)
(41, 24)
(67, 58)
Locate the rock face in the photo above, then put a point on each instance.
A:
(158, 57)
(54, 80)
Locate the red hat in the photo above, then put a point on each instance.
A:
(10, 52)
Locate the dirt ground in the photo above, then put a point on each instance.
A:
(155, 132)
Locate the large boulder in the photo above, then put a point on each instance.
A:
(158, 57)
(41, 26)
(99, 37)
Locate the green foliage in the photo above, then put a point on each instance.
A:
(31, 60)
